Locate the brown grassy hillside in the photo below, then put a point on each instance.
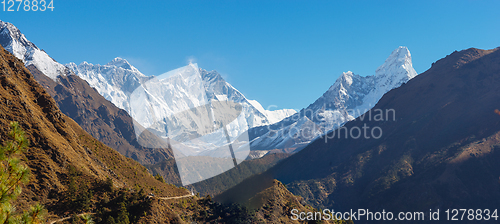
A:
(73, 173)
(59, 146)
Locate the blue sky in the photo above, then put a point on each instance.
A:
(283, 53)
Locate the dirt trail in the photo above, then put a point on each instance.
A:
(79, 215)
(175, 197)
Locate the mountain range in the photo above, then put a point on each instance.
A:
(436, 142)
(97, 97)
(439, 152)
(77, 99)
(100, 117)
(117, 80)
(280, 130)
(59, 150)
(349, 97)
(75, 176)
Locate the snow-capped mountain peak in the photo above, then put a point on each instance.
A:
(345, 79)
(350, 96)
(398, 63)
(122, 63)
(115, 80)
(118, 79)
(357, 92)
(16, 43)
(10, 35)
(396, 70)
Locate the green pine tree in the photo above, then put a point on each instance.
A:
(110, 220)
(13, 174)
(123, 214)
(159, 178)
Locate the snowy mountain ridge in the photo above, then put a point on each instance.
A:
(349, 97)
(114, 81)
(16, 43)
(118, 79)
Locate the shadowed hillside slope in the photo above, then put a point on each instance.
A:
(217, 184)
(59, 146)
(441, 151)
(99, 117)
